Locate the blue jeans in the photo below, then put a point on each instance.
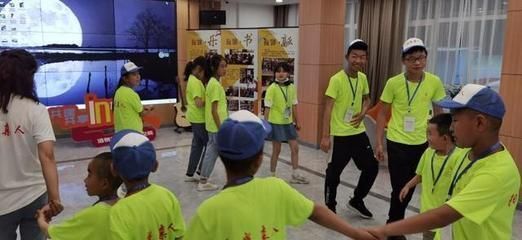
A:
(211, 155)
(197, 151)
(25, 219)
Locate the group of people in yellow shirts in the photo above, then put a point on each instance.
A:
(469, 180)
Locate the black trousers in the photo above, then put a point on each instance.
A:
(358, 148)
(402, 163)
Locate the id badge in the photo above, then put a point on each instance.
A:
(409, 123)
(288, 112)
(349, 115)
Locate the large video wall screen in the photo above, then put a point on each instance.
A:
(81, 45)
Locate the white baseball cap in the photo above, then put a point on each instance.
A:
(412, 42)
(129, 67)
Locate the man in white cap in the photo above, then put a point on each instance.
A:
(347, 101)
(410, 97)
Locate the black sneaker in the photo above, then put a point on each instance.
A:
(359, 208)
(397, 238)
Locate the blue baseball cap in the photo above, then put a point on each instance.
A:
(479, 98)
(242, 135)
(129, 67)
(133, 154)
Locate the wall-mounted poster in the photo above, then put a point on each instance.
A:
(81, 45)
(203, 43)
(276, 45)
(239, 47)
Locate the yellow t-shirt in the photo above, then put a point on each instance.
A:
(259, 209)
(486, 196)
(195, 88)
(153, 213)
(127, 109)
(89, 223)
(340, 90)
(436, 198)
(215, 93)
(395, 93)
(280, 99)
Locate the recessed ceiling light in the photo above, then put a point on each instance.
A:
(279, 1)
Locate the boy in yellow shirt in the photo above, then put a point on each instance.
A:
(148, 211)
(92, 222)
(435, 168)
(483, 193)
(255, 208)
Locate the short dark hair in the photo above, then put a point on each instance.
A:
(357, 46)
(443, 123)
(199, 61)
(496, 123)
(102, 164)
(212, 65)
(17, 69)
(282, 66)
(414, 50)
(240, 166)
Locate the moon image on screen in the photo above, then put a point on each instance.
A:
(37, 23)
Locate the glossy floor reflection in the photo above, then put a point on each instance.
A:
(173, 150)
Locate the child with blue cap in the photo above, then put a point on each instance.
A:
(148, 211)
(255, 208)
(483, 191)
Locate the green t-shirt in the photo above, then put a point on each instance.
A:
(486, 196)
(280, 100)
(195, 88)
(395, 93)
(259, 209)
(436, 198)
(89, 223)
(340, 90)
(127, 109)
(215, 93)
(153, 213)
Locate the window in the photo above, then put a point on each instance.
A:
(464, 38)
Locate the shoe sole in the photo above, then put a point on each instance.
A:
(358, 212)
(296, 181)
(207, 190)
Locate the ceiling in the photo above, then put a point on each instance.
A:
(263, 2)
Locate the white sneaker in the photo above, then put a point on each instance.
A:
(299, 179)
(207, 187)
(191, 179)
(122, 191)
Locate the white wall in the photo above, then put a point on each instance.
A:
(244, 15)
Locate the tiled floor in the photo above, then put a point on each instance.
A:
(173, 150)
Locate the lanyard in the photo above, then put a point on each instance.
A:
(285, 95)
(354, 90)
(458, 175)
(106, 198)
(239, 181)
(411, 97)
(137, 187)
(436, 180)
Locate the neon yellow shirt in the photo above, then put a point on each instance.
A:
(486, 196)
(280, 99)
(395, 93)
(340, 90)
(89, 223)
(434, 197)
(215, 93)
(257, 209)
(127, 109)
(153, 213)
(195, 89)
